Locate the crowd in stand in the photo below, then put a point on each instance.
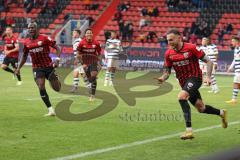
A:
(188, 4)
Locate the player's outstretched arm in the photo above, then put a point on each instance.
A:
(22, 62)
(165, 76)
(231, 66)
(58, 53)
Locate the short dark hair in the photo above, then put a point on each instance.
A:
(9, 27)
(236, 38)
(77, 30)
(174, 31)
(88, 29)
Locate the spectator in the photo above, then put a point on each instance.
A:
(142, 37)
(229, 28)
(28, 5)
(142, 23)
(150, 11)
(172, 3)
(121, 27)
(155, 12)
(129, 29)
(151, 35)
(63, 36)
(90, 20)
(221, 33)
(87, 4)
(163, 41)
(144, 11)
(94, 6)
(194, 28)
(2, 5)
(117, 16)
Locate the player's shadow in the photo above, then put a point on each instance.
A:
(109, 101)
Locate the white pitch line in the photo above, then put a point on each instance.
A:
(137, 143)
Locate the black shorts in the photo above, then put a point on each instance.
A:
(191, 86)
(12, 61)
(43, 73)
(91, 68)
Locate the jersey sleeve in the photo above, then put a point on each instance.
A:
(167, 61)
(198, 52)
(50, 42)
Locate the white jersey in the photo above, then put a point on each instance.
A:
(113, 48)
(75, 45)
(236, 61)
(211, 51)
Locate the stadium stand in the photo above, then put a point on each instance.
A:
(213, 17)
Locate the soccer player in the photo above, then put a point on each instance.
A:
(38, 46)
(89, 54)
(184, 58)
(77, 69)
(236, 66)
(113, 49)
(11, 50)
(212, 52)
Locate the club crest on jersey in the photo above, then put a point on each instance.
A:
(186, 55)
(39, 43)
(93, 45)
(189, 85)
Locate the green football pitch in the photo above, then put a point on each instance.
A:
(125, 133)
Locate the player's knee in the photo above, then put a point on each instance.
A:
(200, 106)
(3, 66)
(183, 95)
(56, 85)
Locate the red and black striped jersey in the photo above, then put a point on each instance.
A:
(10, 43)
(39, 50)
(185, 62)
(89, 51)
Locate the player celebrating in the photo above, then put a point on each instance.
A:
(184, 58)
(113, 48)
(38, 46)
(236, 66)
(89, 54)
(212, 52)
(11, 50)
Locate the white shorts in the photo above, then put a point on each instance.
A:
(236, 78)
(113, 63)
(79, 69)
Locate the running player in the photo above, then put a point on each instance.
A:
(236, 66)
(212, 52)
(38, 46)
(89, 54)
(113, 48)
(77, 69)
(11, 51)
(184, 58)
